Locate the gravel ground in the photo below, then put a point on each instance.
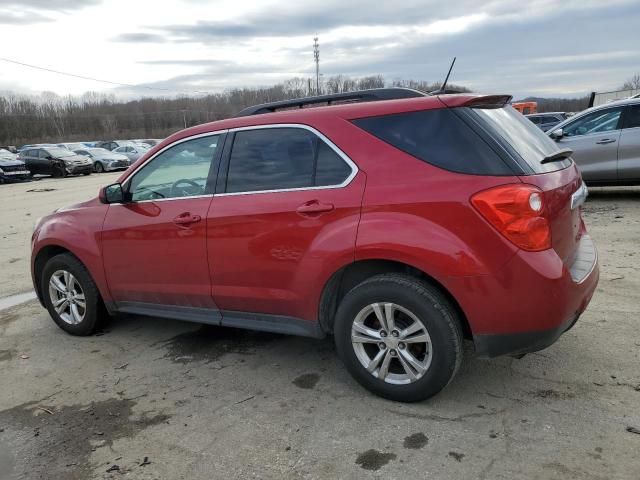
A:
(153, 398)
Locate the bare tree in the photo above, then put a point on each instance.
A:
(633, 83)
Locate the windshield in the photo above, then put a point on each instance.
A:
(520, 137)
(60, 152)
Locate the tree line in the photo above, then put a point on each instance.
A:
(50, 118)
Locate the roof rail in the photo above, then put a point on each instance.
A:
(371, 95)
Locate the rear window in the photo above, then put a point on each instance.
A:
(522, 140)
(439, 137)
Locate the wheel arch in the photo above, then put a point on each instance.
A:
(354, 273)
(46, 253)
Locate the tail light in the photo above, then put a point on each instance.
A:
(517, 211)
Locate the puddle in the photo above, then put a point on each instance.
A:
(208, 343)
(13, 300)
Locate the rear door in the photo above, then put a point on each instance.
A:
(629, 149)
(594, 140)
(287, 205)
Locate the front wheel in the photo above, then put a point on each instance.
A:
(399, 337)
(71, 296)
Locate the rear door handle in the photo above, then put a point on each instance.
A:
(186, 219)
(604, 141)
(314, 207)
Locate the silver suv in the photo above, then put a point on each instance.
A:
(605, 141)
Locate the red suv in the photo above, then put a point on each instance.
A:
(398, 226)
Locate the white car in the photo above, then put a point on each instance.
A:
(104, 160)
(132, 152)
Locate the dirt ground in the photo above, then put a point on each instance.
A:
(150, 398)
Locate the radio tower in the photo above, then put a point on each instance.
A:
(316, 58)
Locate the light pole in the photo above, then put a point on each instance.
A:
(316, 58)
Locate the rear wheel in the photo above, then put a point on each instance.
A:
(71, 296)
(98, 167)
(399, 337)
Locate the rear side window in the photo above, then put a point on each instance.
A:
(632, 116)
(522, 141)
(282, 158)
(439, 137)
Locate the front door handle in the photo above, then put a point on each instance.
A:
(604, 141)
(186, 219)
(314, 207)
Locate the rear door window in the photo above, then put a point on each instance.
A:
(439, 137)
(281, 159)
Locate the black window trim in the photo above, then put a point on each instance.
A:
(224, 168)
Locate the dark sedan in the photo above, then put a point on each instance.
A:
(55, 161)
(11, 168)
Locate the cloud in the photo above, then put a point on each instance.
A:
(139, 38)
(26, 12)
(22, 18)
(499, 52)
(49, 5)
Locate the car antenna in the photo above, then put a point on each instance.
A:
(443, 88)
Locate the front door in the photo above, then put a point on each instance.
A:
(289, 207)
(629, 149)
(594, 140)
(154, 245)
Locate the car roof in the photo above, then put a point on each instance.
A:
(345, 111)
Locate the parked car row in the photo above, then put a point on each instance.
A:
(70, 158)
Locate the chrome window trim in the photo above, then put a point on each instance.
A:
(125, 183)
(320, 135)
(333, 146)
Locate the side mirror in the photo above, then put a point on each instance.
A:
(557, 134)
(112, 194)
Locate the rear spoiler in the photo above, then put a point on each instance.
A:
(480, 101)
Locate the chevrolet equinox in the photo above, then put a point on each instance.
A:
(398, 222)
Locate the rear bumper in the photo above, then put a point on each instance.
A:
(519, 343)
(533, 300)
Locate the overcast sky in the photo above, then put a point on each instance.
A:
(534, 47)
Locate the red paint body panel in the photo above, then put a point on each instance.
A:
(267, 258)
(150, 259)
(257, 253)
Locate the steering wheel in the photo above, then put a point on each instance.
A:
(191, 188)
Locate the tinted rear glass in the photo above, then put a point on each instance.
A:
(439, 137)
(519, 137)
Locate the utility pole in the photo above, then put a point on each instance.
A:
(316, 58)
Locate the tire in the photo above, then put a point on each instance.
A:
(86, 173)
(59, 171)
(92, 314)
(414, 304)
(98, 167)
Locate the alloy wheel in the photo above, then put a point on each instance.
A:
(391, 343)
(67, 297)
